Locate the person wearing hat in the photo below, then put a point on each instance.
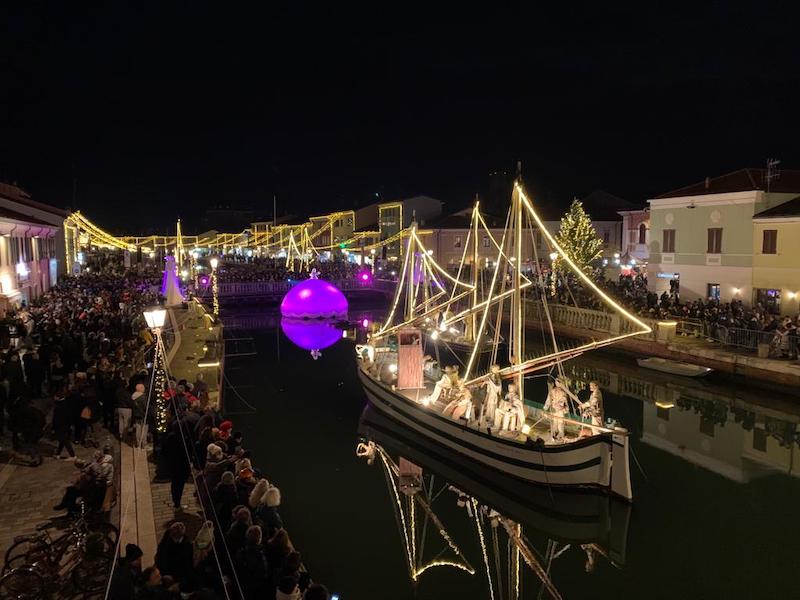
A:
(126, 574)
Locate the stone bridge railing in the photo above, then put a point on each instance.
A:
(240, 289)
(587, 319)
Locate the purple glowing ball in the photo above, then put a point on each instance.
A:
(311, 335)
(314, 299)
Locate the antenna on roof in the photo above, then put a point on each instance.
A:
(772, 171)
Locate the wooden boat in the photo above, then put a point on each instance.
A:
(568, 454)
(673, 367)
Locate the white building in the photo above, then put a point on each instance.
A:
(31, 246)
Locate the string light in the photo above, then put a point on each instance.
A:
(483, 546)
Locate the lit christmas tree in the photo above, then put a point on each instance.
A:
(579, 239)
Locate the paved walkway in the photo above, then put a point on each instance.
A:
(28, 494)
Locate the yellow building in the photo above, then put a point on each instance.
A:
(776, 258)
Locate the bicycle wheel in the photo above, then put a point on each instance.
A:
(22, 584)
(20, 550)
(91, 574)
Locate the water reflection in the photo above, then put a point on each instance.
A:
(488, 525)
(735, 432)
(312, 335)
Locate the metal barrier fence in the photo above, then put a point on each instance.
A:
(773, 343)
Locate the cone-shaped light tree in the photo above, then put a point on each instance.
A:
(579, 239)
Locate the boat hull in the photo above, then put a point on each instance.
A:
(556, 513)
(673, 367)
(586, 463)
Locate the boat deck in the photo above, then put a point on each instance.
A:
(536, 420)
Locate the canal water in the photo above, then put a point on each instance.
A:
(715, 471)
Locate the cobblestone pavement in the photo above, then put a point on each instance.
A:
(163, 512)
(28, 494)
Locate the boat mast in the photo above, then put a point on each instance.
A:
(475, 260)
(410, 274)
(517, 320)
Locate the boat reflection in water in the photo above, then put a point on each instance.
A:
(739, 433)
(515, 527)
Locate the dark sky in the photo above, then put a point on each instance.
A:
(173, 107)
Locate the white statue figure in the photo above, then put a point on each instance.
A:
(461, 404)
(443, 386)
(494, 387)
(593, 407)
(558, 406)
(518, 406)
(506, 413)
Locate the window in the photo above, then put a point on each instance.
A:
(457, 242)
(769, 243)
(669, 241)
(712, 291)
(642, 234)
(605, 238)
(760, 439)
(13, 250)
(714, 240)
(662, 413)
(486, 241)
(707, 426)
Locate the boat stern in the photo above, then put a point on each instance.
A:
(620, 464)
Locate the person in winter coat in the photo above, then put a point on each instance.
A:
(27, 422)
(177, 462)
(139, 400)
(268, 511)
(124, 404)
(251, 565)
(216, 465)
(62, 424)
(225, 499)
(34, 373)
(174, 553)
(235, 537)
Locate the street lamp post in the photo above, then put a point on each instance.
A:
(155, 319)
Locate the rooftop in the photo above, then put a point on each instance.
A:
(787, 209)
(17, 194)
(743, 180)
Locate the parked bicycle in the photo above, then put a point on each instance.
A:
(78, 561)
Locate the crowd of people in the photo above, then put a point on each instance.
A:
(80, 354)
(716, 317)
(275, 269)
(80, 345)
(242, 549)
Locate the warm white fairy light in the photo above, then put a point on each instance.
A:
(483, 546)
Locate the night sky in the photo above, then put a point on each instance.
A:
(163, 109)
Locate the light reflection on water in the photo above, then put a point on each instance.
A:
(715, 484)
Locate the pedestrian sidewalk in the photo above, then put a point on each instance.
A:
(28, 494)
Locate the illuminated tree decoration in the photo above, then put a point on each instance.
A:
(160, 385)
(578, 238)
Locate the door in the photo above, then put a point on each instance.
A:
(712, 291)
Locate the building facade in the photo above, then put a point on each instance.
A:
(32, 255)
(701, 236)
(776, 258)
(635, 235)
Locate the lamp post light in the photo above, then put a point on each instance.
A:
(155, 319)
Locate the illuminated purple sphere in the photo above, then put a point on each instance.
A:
(311, 335)
(314, 299)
